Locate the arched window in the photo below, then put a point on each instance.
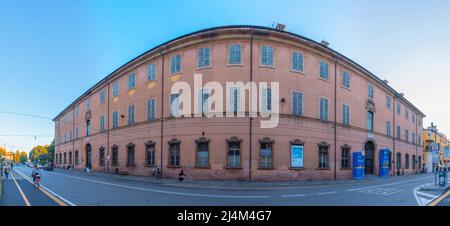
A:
(65, 159)
(76, 157)
(399, 160)
(370, 120)
(101, 156)
(234, 152)
(70, 157)
(345, 156)
(266, 153)
(115, 155)
(323, 155)
(150, 153)
(130, 155)
(202, 152)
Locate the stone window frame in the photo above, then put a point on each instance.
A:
(346, 148)
(131, 149)
(199, 141)
(101, 156)
(266, 141)
(172, 142)
(114, 155)
(149, 144)
(234, 139)
(323, 148)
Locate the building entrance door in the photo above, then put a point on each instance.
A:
(369, 149)
(88, 156)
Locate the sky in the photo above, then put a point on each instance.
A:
(51, 52)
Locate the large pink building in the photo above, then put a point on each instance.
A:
(330, 107)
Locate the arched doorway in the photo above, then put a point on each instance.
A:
(369, 149)
(88, 156)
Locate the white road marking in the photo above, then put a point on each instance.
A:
(161, 191)
(382, 191)
(326, 193)
(383, 185)
(426, 194)
(42, 186)
(289, 196)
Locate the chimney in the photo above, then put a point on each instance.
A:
(324, 43)
(385, 81)
(280, 27)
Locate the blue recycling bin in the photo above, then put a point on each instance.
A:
(358, 165)
(384, 163)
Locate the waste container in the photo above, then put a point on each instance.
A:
(442, 178)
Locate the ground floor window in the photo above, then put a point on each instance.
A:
(65, 159)
(150, 153)
(174, 152)
(407, 161)
(102, 156)
(399, 160)
(70, 158)
(345, 156)
(115, 155)
(76, 157)
(414, 161)
(202, 152)
(130, 155)
(266, 153)
(234, 152)
(323, 155)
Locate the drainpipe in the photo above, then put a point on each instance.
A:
(162, 112)
(250, 115)
(335, 111)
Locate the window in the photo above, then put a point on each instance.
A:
(413, 138)
(266, 99)
(234, 54)
(132, 81)
(413, 161)
(203, 57)
(370, 120)
(116, 88)
(388, 129)
(202, 152)
(151, 109)
(174, 152)
(76, 157)
(323, 155)
(235, 99)
(266, 153)
(345, 156)
(102, 123)
(399, 160)
(151, 73)
(88, 104)
(406, 113)
(77, 112)
(234, 152)
(65, 159)
(370, 91)
(267, 55)
(346, 114)
(297, 61)
(323, 70)
(175, 104)
(323, 111)
(65, 137)
(102, 95)
(115, 155)
(115, 119)
(102, 156)
(398, 108)
(203, 100)
(388, 102)
(130, 155)
(76, 132)
(150, 153)
(175, 64)
(398, 132)
(413, 118)
(406, 135)
(346, 79)
(407, 161)
(297, 103)
(70, 157)
(131, 115)
(70, 135)
(88, 127)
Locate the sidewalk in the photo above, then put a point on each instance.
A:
(222, 184)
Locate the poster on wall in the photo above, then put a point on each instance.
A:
(297, 156)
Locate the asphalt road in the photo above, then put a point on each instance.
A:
(88, 190)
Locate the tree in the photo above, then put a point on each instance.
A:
(38, 151)
(51, 150)
(2, 151)
(23, 157)
(17, 156)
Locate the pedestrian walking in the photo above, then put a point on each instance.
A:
(7, 170)
(181, 176)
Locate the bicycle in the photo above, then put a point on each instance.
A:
(37, 180)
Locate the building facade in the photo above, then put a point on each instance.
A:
(329, 107)
(431, 135)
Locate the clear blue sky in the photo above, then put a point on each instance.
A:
(53, 51)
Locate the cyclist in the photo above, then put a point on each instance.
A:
(36, 174)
